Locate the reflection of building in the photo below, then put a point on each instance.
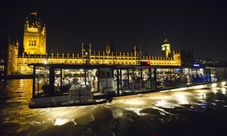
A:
(34, 51)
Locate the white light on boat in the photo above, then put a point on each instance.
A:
(223, 83)
(223, 90)
(215, 91)
(196, 87)
(214, 85)
(179, 89)
(164, 91)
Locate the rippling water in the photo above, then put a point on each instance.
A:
(19, 89)
(180, 113)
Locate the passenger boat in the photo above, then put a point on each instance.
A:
(56, 85)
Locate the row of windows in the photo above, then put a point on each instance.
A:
(32, 42)
(127, 58)
(80, 62)
(98, 57)
(111, 54)
(45, 56)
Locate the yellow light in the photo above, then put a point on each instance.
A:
(223, 83)
(164, 104)
(134, 102)
(182, 99)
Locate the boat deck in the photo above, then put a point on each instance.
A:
(99, 97)
(61, 101)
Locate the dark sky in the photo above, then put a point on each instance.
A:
(189, 24)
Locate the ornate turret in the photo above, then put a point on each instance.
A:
(107, 46)
(89, 49)
(134, 50)
(44, 30)
(82, 49)
(26, 24)
(17, 44)
(34, 37)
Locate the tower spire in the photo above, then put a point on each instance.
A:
(165, 39)
(107, 45)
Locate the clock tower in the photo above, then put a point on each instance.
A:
(166, 51)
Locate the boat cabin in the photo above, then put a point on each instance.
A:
(89, 82)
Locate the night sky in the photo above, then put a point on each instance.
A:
(188, 24)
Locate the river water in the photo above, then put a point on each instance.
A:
(179, 113)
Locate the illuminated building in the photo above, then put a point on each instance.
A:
(34, 51)
(8, 57)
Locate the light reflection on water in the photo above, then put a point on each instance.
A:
(16, 89)
(146, 115)
(14, 97)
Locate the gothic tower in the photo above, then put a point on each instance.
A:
(86, 53)
(34, 37)
(107, 46)
(166, 51)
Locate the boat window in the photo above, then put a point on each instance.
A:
(42, 81)
(146, 82)
(92, 79)
(57, 81)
